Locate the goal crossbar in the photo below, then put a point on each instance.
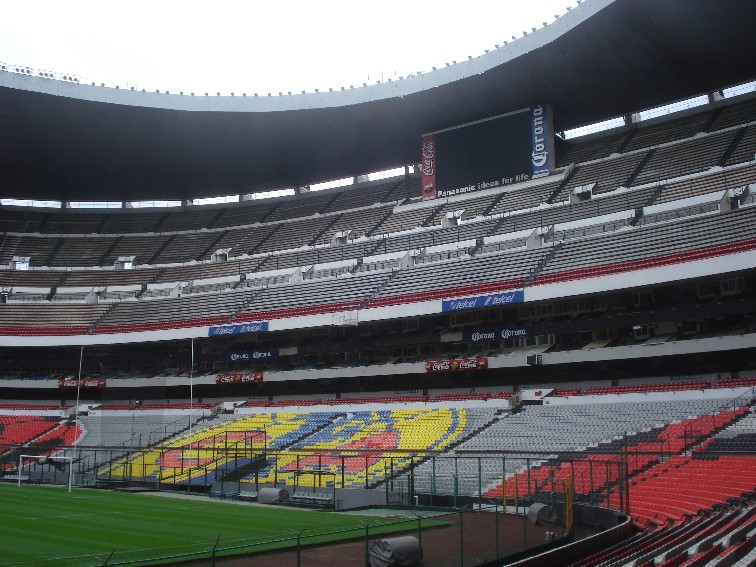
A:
(37, 457)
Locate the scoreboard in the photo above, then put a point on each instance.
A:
(489, 153)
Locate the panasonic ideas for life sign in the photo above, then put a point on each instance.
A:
(480, 301)
(490, 153)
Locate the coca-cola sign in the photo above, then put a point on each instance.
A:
(238, 377)
(456, 365)
(428, 166)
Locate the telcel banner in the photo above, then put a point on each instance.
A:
(491, 300)
(256, 327)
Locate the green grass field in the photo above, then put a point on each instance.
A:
(45, 524)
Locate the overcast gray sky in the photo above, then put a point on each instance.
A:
(256, 46)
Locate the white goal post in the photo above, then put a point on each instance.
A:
(37, 458)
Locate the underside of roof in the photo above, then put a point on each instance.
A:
(627, 56)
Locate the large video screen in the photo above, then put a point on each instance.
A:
(490, 153)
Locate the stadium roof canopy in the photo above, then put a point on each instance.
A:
(66, 141)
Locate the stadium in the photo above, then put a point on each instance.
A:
(520, 330)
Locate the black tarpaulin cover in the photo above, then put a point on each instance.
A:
(402, 550)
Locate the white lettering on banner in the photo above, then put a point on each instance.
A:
(457, 365)
(464, 304)
(477, 337)
(428, 155)
(509, 333)
(539, 155)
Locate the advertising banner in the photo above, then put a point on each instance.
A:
(83, 383)
(256, 327)
(253, 355)
(490, 300)
(488, 154)
(497, 334)
(429, 166)
(238, 377)
(456, 365)
(541, 140)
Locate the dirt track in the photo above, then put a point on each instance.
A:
(441, 546)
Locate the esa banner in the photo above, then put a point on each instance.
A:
(83, 383)
(497, 334)
(429, 166)
(490, 300)
(257, 327)
(456, 365)
(238, 377)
